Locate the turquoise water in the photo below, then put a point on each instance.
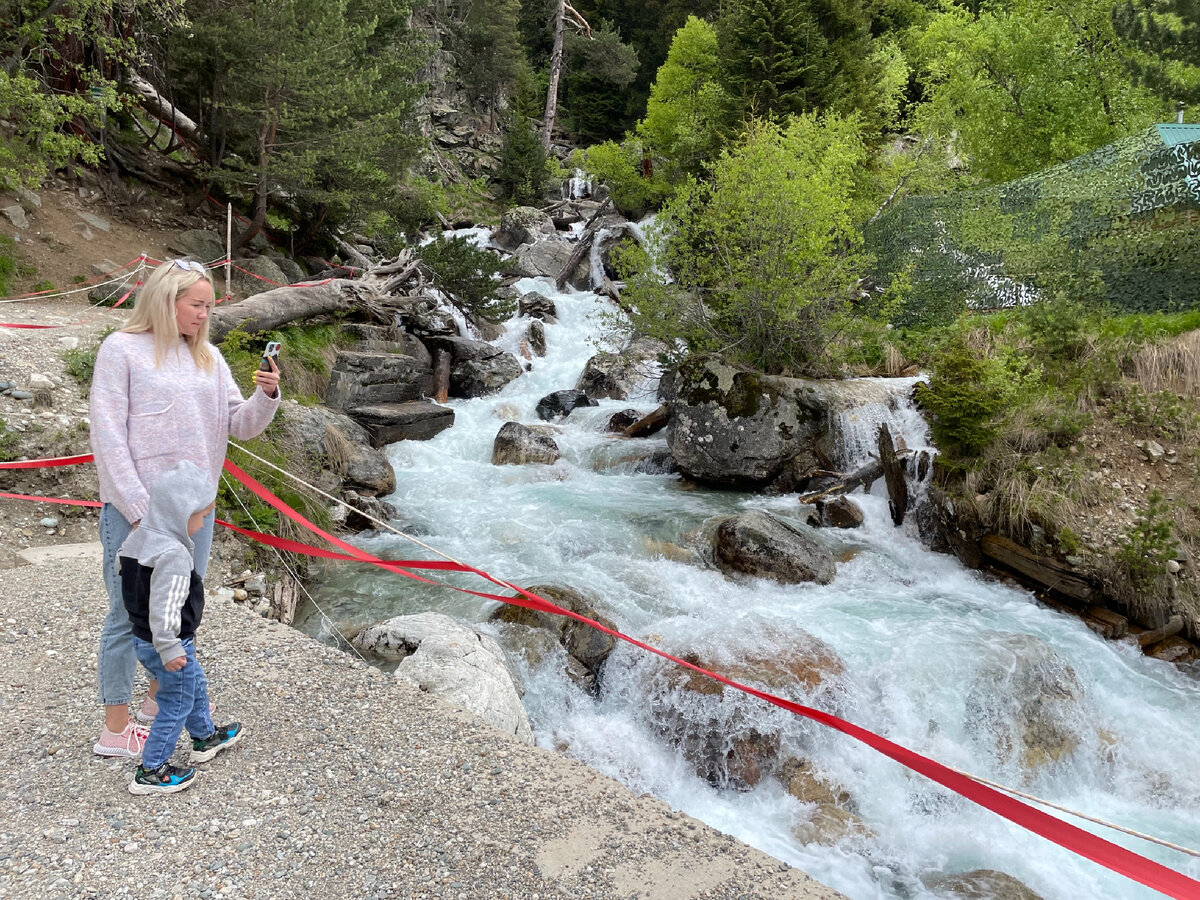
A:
(937, 657)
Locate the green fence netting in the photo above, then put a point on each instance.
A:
(1119, 225)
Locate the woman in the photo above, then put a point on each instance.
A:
(161, 393)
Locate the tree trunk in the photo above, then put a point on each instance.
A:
(275, 308)
(556, 58)
(893, 476)
(582, 246)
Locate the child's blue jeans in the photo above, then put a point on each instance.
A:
(182, 701)
(117, 662)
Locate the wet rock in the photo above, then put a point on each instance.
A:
(840, 512)
(588, 645)
(518, 445)
(619, 421)
(523, 225)
(452, 661)
(981, 884)
(561, 404)
(617, 375)
(535, 335)
(835, 814)
(760, 544)
(537, 306)
(416, 420)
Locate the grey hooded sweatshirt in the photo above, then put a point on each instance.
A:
(162, 592)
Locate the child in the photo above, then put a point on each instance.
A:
(165, 600)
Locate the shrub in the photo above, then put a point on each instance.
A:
(969, 394)
(522, 173)
(1149, 543)
(471, 275)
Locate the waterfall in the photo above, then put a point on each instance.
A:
(961, 668)
(577, 187)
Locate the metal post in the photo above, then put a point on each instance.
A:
(228, 249)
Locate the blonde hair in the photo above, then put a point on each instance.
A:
(154, 311)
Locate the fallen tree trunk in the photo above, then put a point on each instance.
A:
(893, 476)
(864, 476)
(161, 108)
(1045, 570)
(275, 308)
(583, 245)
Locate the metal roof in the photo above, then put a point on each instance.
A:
(1174, 134)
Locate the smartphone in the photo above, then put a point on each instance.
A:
(271, 352)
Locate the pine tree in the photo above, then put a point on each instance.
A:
(775, 60)
(487, 39)
(305, 99)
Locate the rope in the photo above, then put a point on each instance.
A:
(388, 526)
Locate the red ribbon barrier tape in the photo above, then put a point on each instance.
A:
(48, 463)
(1111, 856)
(1107, 854)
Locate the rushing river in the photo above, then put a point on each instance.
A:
(938, 658)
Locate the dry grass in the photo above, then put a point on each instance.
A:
(338, 449)
(1170, 366)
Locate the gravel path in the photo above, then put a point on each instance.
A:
(349, 783)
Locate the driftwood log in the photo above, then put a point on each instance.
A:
(865, 476)
(1045, 570)
(276, 308)
(893, 476)
(583, 245)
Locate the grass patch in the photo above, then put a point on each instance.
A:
(305, 360)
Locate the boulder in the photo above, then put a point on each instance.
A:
(616, 375)
(199, 244)
(1022, 702)
(747, 431)
(340, 445)
(587, 646)
(561, 404)
(290, 268)
(363, 512)
(518, 445)
(414, 420)
(368, 378)
(980, 884)
(718, 729)
(535, 337)
(546, 259)
(619, 421)
(261, 274)
(537, 306)
(477, 367)
(834, 815)
(840, 512)
(760, 544)
(523, 225)
(455, 663)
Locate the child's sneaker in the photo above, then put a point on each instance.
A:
(166, 779)
(149, 709)
(222, 739)
(127, 743)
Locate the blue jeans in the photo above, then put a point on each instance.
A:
(182, 701)
(116, 662)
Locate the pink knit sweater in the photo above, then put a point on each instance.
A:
(145, 419)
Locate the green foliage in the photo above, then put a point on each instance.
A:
(598, 69)
(1157, 414)
(486, 40)
(689, 115)
(8, 264)
(620, 168)
(246, 510)
(471, 275)
(969, 394)
(8, 442)
(1027, 84)
(760, 257)
(1165, 37)
(305, 359)
(522, 173)
(311, 99)
(1149, 543)
(51, 81)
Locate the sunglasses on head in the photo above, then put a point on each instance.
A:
(190, 265)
